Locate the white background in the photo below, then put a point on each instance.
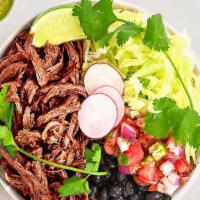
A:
(182, 14)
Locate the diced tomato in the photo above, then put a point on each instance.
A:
(111, 149)
(152, 188)
(134, 167)
(146, 140)
(135, 153)
(139, 122)
(128, 121)
(183, 167)
(148, 174)
(139, 181)
(110, 144)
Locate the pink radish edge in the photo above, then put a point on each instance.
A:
(118, 101)
(103, 70)
(101, 135)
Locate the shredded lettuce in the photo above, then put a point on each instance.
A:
(148, 74)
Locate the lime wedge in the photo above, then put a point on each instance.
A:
(5, 6)
(56, 26)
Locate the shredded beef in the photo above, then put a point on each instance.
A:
(44, 85)
(38, 188)
(62, 90)
(28, 138)
(28, 118)
(70, 105)
(74, 62)
(11, 59)
(12, 71)
(31, 88)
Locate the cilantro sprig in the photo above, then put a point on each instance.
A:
(96, 20)
(93, 158)
(73, 186)
(168, 118)
(156, 38)
(76, 185)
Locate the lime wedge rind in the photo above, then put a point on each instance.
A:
(56, 26)
(51, 9)
(5, 7)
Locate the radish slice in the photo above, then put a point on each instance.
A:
(101, 74)
(97, 116)
(116, 97)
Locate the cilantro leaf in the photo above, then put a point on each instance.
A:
(188, 124)
(7, 140)
(125, 31)
(157, 124)
(122, 159)
(6, 113)
(183, 123)
(6, 108)
(196, 137)
(106, 10)
(163, 104)
(95, 19)
(73, 186)
(156, 36)
(106, 38)
(93, 158)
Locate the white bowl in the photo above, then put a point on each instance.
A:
(118, 4)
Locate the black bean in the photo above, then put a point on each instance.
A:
(118, 198)
(133, 182)
(110, 161)
(166, 197)
(155, 196)
(104, 168)
(103, 194)
(113, 177)
(107, 158)
(116, 190)
(143, 188)
(115, 182)
(94, 192)
(141, 194)
(134, 197)
(97, 180)
(129, 189)
(112, 164)
(121, 177)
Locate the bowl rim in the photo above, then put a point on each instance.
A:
(179, 194)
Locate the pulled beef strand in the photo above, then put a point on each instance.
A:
(37, 183)
(44, 85)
